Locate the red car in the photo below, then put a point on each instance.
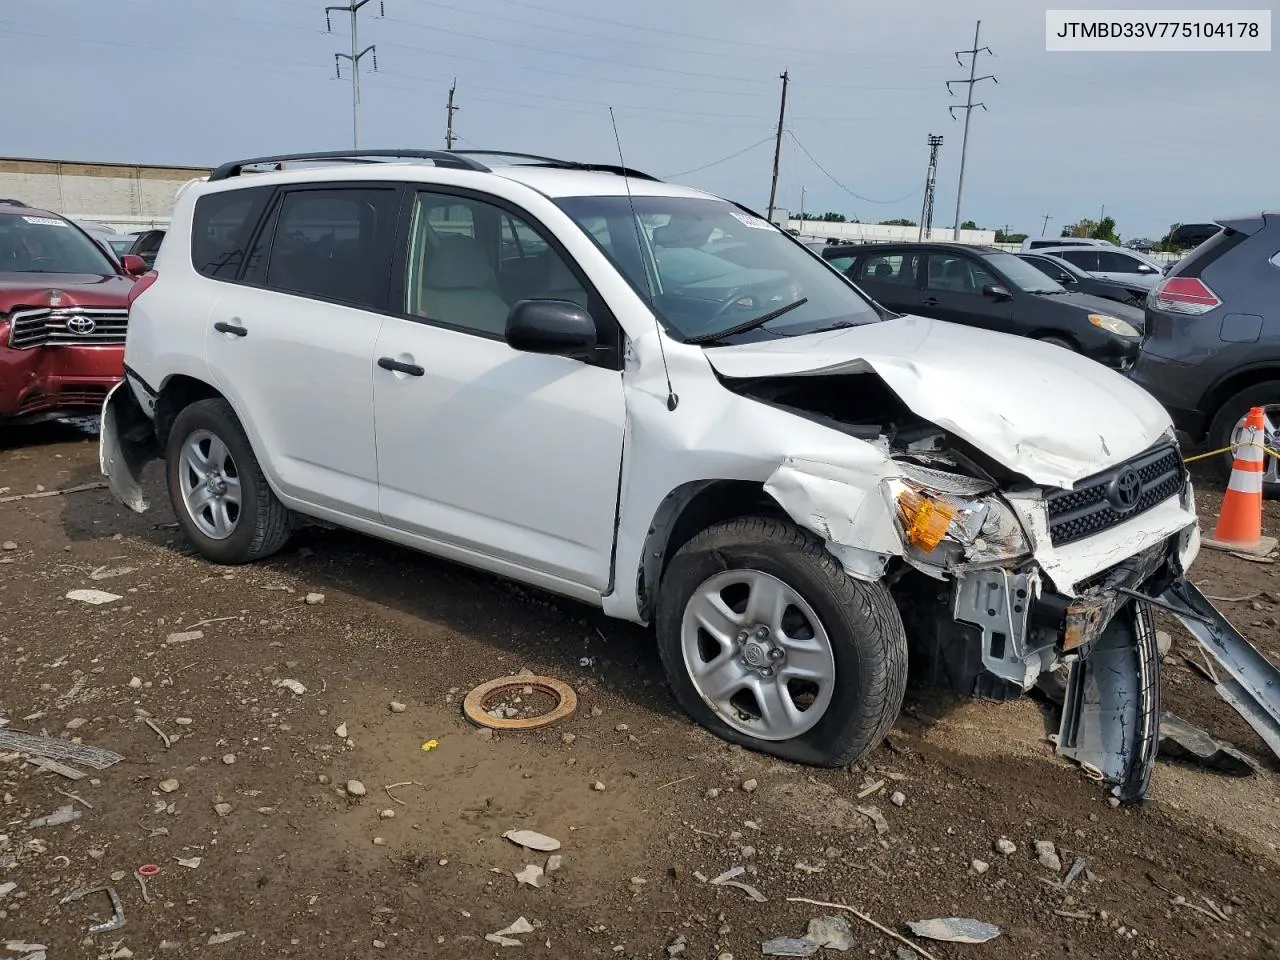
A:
(64, 308)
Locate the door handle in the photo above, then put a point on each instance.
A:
(399, 366)
(230, 328)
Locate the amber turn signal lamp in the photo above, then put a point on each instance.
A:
(924, 521)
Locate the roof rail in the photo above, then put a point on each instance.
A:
(440, 157)
(539, 161)
(10, 202)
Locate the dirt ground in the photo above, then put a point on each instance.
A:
(644, 804)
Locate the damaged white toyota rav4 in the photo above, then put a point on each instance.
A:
(653, 401)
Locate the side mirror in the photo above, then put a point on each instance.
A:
(1143, 268)
(996, 291)
(133, 265)
(1065, 278)
(558, 327)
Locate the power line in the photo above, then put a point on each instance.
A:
(354, 58)
(828, 175)
(715, 163)
(968, 110)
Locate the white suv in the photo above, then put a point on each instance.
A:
(653, 401)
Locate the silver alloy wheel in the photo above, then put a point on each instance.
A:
(1271, 437)
(210, 485)
(757, 654)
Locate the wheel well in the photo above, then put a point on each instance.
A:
(178, 392)
(1241, 380)
(1056, 334)
(687, 511)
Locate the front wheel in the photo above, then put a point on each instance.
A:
(220, 497)
(769, 644)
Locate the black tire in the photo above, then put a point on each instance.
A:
(1232, 412)
(866, 632)
(1060, 342)
(264, 523)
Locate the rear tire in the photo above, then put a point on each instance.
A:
(858, 644)
(1232, 411)
(208, 451)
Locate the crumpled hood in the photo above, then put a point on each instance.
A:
(1052, 415)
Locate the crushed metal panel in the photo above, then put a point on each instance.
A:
(1252, 686)
(1185, 741)
(126, 444)
(1111, 712)
(846, 504)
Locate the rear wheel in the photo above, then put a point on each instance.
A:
(1227, 428)
(220, 497)
(769, 644)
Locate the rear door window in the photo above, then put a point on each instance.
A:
(899, 269)
(331, 244)
(222, 226)
(1112, 262)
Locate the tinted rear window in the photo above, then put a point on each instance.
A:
(221, 229)
(1198, 259)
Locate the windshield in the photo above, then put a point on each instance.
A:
(708, 268)
(1023, 275)
(35, 244)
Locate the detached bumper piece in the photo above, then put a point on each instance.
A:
(1252, 684)
(1111, 711)
(1111, 708)
(126, 443)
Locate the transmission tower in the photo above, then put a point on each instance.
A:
(354, 58)
(931, 175)
(968, 110)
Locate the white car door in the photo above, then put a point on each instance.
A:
(510, 460)
(291, 343)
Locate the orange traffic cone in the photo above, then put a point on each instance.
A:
(1239, 526)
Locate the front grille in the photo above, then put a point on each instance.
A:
(67, 326)
(1090, 507)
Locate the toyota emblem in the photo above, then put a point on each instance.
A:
(81, 326)
(1126, 490)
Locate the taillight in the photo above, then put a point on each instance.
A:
(1185, 295)
(140, 286)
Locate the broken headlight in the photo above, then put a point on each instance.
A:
(948, 519)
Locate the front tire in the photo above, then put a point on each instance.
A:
(768, 643)
(1226, 425)
(219, 494)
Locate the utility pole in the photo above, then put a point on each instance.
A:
(354, 57)
(777, 147)
(802, 208)
(968, 110)
(1045, 226)
(930, 177)
(448, 131)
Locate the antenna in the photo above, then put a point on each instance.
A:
(672, 399)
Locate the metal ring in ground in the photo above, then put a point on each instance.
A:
(474, 704)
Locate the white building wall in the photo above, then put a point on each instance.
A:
(124, 196)
(882, 233)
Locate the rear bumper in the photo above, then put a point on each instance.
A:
(47, 381)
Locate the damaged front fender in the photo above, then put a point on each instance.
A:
(849, 505)
(126, 443)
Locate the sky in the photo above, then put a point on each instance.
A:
(1153, 138)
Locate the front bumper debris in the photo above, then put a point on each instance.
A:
(127, 441)
(1252, 684)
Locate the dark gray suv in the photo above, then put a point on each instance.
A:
(1212, 344)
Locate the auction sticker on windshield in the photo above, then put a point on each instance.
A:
(46, 221)
(755, 223)
(1157, 31)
